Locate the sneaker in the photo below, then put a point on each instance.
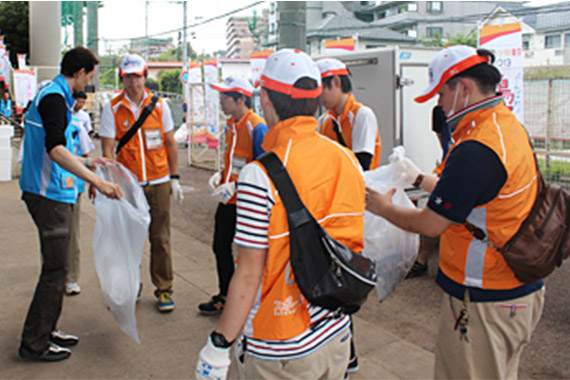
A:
(62, 339)
(213, 307)
(72, 288)
(418, 270)
(352, 365)
(165, 302)
(53, 353)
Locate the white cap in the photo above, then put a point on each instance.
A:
(234, 84)
(287, 66)
(331, 66)
(446, 64)
(132, 64)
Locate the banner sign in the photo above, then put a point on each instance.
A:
(211, 75)
(25, 84)
(348, 44)
(257, 63)
(505, 41)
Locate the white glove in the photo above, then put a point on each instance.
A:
(214, 181)
(176, 190)
(224, 192)
(213, 362)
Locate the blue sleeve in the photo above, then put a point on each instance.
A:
(472, 176)
(258, 134)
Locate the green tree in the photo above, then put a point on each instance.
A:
(14, 27)
(459, 39)
(169, 81)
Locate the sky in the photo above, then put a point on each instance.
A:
(121, 20)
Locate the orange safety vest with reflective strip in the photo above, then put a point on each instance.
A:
(333, 191)
(239, 146)
(463, 258)
(346, 123)
(144, 154)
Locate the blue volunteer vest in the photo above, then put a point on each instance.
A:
(40, 175)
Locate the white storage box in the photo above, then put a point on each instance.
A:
(6, 130)
(5, 154)
(5, 170)
(5, 142)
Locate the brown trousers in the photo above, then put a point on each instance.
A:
(158, 198)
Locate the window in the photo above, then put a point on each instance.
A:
(552, 41)
(434, 31)
(434, 6)
(567, 40)
(526, 43)
(412, 7)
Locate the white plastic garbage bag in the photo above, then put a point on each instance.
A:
(181, 134)
(120, 232)
(393, 249)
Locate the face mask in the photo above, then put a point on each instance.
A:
(452, 110)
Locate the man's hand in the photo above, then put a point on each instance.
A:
(176, 190)
(225, 192)
(93, 164)
(213, 362)
(376, 203)
(214, 181)
(109, 189)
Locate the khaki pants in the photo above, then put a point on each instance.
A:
(158, 198)
(73, 246)
(497, 333)
(328, 362)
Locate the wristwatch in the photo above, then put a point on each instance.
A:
(175, 176)
(219, 340)
(419, 180)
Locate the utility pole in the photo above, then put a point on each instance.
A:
(77, 23)
(185, 87)
(45, 37)
(146, 31)
(292, 25)
(93, 36)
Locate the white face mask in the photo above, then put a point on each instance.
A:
(452, 110)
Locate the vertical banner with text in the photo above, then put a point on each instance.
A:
(211, 75)
(25, 84)
(198, 109)
(505, 41)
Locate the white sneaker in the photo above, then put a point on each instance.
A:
(72, 288)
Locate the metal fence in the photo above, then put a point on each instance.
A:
(547, 119)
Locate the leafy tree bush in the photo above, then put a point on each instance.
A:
(169, 81)
(14, 28)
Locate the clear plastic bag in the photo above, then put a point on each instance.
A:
(393, 249)
(118, 242)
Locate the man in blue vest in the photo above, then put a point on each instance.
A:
(50, 170)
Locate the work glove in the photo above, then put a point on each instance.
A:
(213, 362)
(224, 192)
(176, 190)
(214, 181)
(410, 171)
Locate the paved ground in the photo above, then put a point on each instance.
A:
(394, 339)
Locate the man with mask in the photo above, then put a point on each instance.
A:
(488, 179)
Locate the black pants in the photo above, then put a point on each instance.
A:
(52, 221)
(224, 231)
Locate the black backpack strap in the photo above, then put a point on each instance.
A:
(135, 127)
(296, 210)
(336, 129)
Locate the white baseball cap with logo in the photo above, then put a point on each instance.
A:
(446, 64)
(331, 66)
(132, 64)
(234, 84)
(287, 66)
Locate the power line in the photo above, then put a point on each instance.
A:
(189, 26)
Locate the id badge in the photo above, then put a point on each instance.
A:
(67, 182)
(237, 164)
(152, 138)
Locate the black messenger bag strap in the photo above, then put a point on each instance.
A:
(336, 129)
(296, 210)
(135, 127)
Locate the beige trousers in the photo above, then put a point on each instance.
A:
(328, 362)
(497, 333)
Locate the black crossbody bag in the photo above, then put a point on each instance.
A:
(327, 272)
(135, 127)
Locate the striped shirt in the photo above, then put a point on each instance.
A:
(254, 204)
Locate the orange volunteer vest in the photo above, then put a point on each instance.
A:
(239, 146)
(333, 191)
(346, 122)
(145, 154)
(463, 258)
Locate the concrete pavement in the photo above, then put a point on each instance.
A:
(170, 343)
